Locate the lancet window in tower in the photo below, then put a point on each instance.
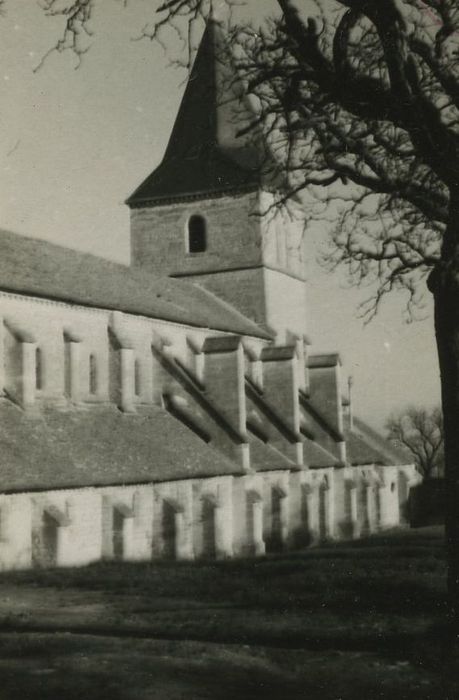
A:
(197, 234)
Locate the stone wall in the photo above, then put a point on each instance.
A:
(159, 235)
(253, 259)
(242, 288)
(89, 357)
(72, 338)
(211, 518)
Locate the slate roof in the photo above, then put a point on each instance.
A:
(39, 268)
(324, 360)
(203, 156)
(265, 457)
(359, 452)
(317, 415)
(366, 446)
(391, 453)
(54, 449)
(315, 457)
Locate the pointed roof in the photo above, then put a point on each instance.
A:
(205, 154)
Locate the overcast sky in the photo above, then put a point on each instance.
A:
(75, 143)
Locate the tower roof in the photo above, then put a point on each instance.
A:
(205, 154)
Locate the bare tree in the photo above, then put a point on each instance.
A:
(360, 99)
(420, 433)
(361, 102)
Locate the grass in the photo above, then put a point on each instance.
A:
(344, 621)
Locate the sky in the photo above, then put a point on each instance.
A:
(74, 143)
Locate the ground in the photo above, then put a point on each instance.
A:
(362, 620)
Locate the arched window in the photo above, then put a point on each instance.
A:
(92, 374)
(197, 234)
(137, 378)
(38, 369)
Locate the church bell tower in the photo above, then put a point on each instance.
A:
(204, 213)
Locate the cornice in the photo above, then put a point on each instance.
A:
(70, 306)
(192, 197)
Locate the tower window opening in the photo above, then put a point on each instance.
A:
(197, 234)
(38, 369)
(92, 374)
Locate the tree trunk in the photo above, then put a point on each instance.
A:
(444, 283)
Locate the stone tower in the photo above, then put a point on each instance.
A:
(202, 215)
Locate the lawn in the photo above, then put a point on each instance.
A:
(361, 620)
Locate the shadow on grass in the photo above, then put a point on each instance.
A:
(34, 668)
(69, 667)
(385, 594)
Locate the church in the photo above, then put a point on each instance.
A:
(174, 408)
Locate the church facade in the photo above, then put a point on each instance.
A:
(174, 408)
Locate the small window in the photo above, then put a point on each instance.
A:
(137, 378)
(38, 369)
(197, 234)
(92, 374)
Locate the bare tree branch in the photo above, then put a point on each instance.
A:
(420, 432)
